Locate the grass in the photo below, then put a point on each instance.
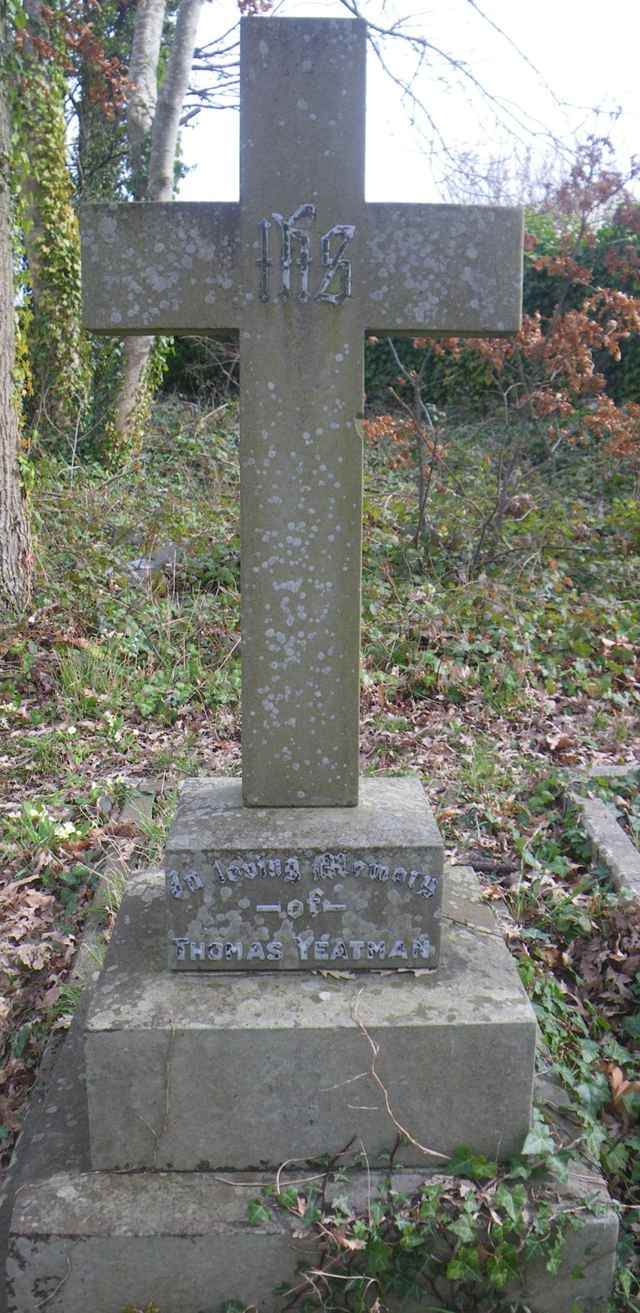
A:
(487, 685)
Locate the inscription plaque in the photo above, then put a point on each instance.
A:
(370, 899)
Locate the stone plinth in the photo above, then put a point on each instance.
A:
(182, 1241)
(238, 1070)
(267, 889)
(82, 1240)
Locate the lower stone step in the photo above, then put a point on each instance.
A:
(98, 1242)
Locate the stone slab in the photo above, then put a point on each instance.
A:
(82, 1241)
(243, 1070)
(611, 845)
(281, 888)
(101, 1241)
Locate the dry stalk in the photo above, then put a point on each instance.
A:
(375, 1051)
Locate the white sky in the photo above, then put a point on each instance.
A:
(586, 52)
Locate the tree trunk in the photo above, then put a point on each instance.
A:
(160, 113)
(15, 544)
(166, 122)
(143, 76)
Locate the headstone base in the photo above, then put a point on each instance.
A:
(99, 1241)
(243, 1071)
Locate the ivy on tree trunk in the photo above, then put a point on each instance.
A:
(15, 543)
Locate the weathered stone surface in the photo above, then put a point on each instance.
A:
(277, 888)
(183, 1241)
(156, 268)
(611, 844)
(81, 1241)
(443, 269)
(303, 266)
(239, 1070)
(302, 387)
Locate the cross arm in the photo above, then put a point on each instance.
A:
(443, 270)
(160, 268)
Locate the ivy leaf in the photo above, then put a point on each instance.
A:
(511, 1200)
(539, 1141)
(378, 1256)
(503, 1266)
(464, 1266)
(257, 1212)
(465, 1162)
(464, 1228)
(594, 1094)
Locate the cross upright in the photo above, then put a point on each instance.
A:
(302, 266)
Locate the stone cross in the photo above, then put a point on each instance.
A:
(302, 267)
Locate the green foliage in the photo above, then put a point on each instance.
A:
(463, 384)
(111, 443)
(461, 1241)
(58, 370)
(204, 369)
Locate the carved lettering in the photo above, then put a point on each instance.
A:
(422, 947)
(378, 872)
(328, 866)
(269, 868)
(428, 887)
(336, 269)
(323, 949)
(173, 882)
(292, 239)
(315, 901)
(324, 866)
(322, 888)
(295, 258)
(304, 944)
(292, 869)
(375, 948)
